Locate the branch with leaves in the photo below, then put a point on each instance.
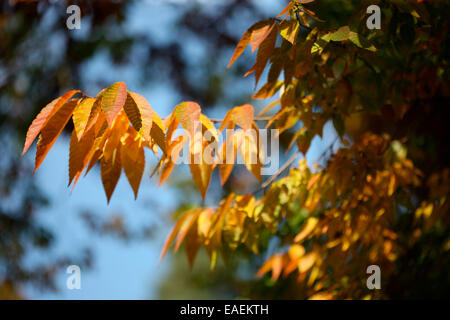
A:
(337, 218)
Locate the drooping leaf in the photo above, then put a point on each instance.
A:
(243, 116)
(255, 34)
(250, 153)
(52, 129)
(133, 162)
(157, 132)
(81, 116)
(188, 114)
(113, 100)
(140, 113)
(268, 90)
(173, 234)
(201, 172)
(259, 35)
(173, 152)
(185, 227)
(44, 116)
(78, 154)
(207, 123)
(110, 170)
(264, 53)
(227, 156)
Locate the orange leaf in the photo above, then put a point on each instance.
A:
(44, 116)
(188, 114)
(110, 171)
(133, 162)
(285, 10)
(185, 228)
(113, 100)
(173, 153)
(157, 132)
(243, 116)
(264, 53)
(81, 116)
(173, 234)
(249, 151)
(255, 34)
(140, 113)
(259, 35)
(52, 129)
(312, 180)
(201, 171)
(79, 151)
(227, 157)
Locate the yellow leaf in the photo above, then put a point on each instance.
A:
(289, 30)
(113, 99)
(307, 229)
(140, 113)
(81, 116)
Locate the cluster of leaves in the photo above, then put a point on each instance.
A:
(337, 219)
(114, 127)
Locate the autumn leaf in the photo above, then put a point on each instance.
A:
(262, 57)
(310, 224)
(227, 156)
(243, 116)
(113, 100)
(341, 34)
(188, 114)
(44, 117)
(110, 172)
(157, 132)
(172, 235)
(81, 116)
(256, 34)
(250, 153)
(133, 161)
(52, 130)
(200, 170)
(140, 113)
(79, 151)
(259, 35)
(209, 125)
(173, 152)
(289, 30)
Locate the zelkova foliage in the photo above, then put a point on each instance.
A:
(382, 193)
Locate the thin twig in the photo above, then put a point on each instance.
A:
(328, 148)
(277, 174)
